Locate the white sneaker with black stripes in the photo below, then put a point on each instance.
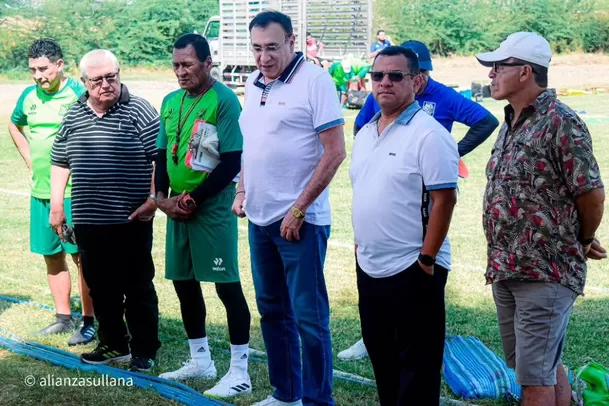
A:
(231, 384)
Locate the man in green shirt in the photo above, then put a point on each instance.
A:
(41, 108)
(199, 158)
(349, 74)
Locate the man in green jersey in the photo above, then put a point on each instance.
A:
(349, 74)
(41, 107)
(199, 158)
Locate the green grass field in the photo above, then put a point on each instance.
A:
(470, 309)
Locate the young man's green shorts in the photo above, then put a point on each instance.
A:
(43, 240)
(205, 246)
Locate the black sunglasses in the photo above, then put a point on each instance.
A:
(496, 65)
(394, 76)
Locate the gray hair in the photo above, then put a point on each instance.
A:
(96, 58)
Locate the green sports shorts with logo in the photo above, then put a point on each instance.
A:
(43, 240)
(205, 247)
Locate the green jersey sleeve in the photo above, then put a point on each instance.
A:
(229, 133)
(161, 139)
(78, 88)
(19, 116)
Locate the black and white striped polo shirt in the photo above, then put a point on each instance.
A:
(110, 158)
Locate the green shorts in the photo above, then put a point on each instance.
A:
(43, 240)
(205, 246)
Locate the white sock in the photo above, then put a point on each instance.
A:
(238, 359)
(199, 351)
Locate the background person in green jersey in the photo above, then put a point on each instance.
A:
(199, 156)
(41, 107)
(348, 75)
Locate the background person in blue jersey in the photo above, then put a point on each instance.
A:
(381, 43)
(445, 105)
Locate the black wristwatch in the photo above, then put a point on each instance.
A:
(427, 260)
(586, 241)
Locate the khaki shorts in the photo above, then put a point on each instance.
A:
(533, 319)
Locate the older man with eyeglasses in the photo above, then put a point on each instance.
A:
(404, 172)
(107, 142)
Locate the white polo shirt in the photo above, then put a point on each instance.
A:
(391, 175)
(281, 123)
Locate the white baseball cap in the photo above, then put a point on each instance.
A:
(527, 46)
(346, 64)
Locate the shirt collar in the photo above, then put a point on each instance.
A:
(540, 105)
(123, 98)
(289, 72)
(405, 117)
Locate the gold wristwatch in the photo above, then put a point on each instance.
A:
(296, 212)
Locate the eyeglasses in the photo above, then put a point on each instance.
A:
(269, 48)
(111, 78)
(497, 65)
(394, 76)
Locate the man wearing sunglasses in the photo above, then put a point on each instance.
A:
(446, 106)
(442, 103)
(542, 206)
(404, 172)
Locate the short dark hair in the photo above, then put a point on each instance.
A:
(379, 31)
(264, 18)
(198, 42)
(309, 34)
(540, 73)
(411, 57)
(45, 47)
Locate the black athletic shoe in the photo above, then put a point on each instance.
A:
(83, 334)
(141, 364)
(104, 354)
(57, 327)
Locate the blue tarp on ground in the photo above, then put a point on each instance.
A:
(475, 372)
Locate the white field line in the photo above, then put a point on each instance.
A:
(339, 244)
(14, 192)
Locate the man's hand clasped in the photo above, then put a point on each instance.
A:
(177, 208)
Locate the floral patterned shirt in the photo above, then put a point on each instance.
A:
(536, 171)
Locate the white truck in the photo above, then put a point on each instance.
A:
(343, 26)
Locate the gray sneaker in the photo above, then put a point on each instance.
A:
(57, 327)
